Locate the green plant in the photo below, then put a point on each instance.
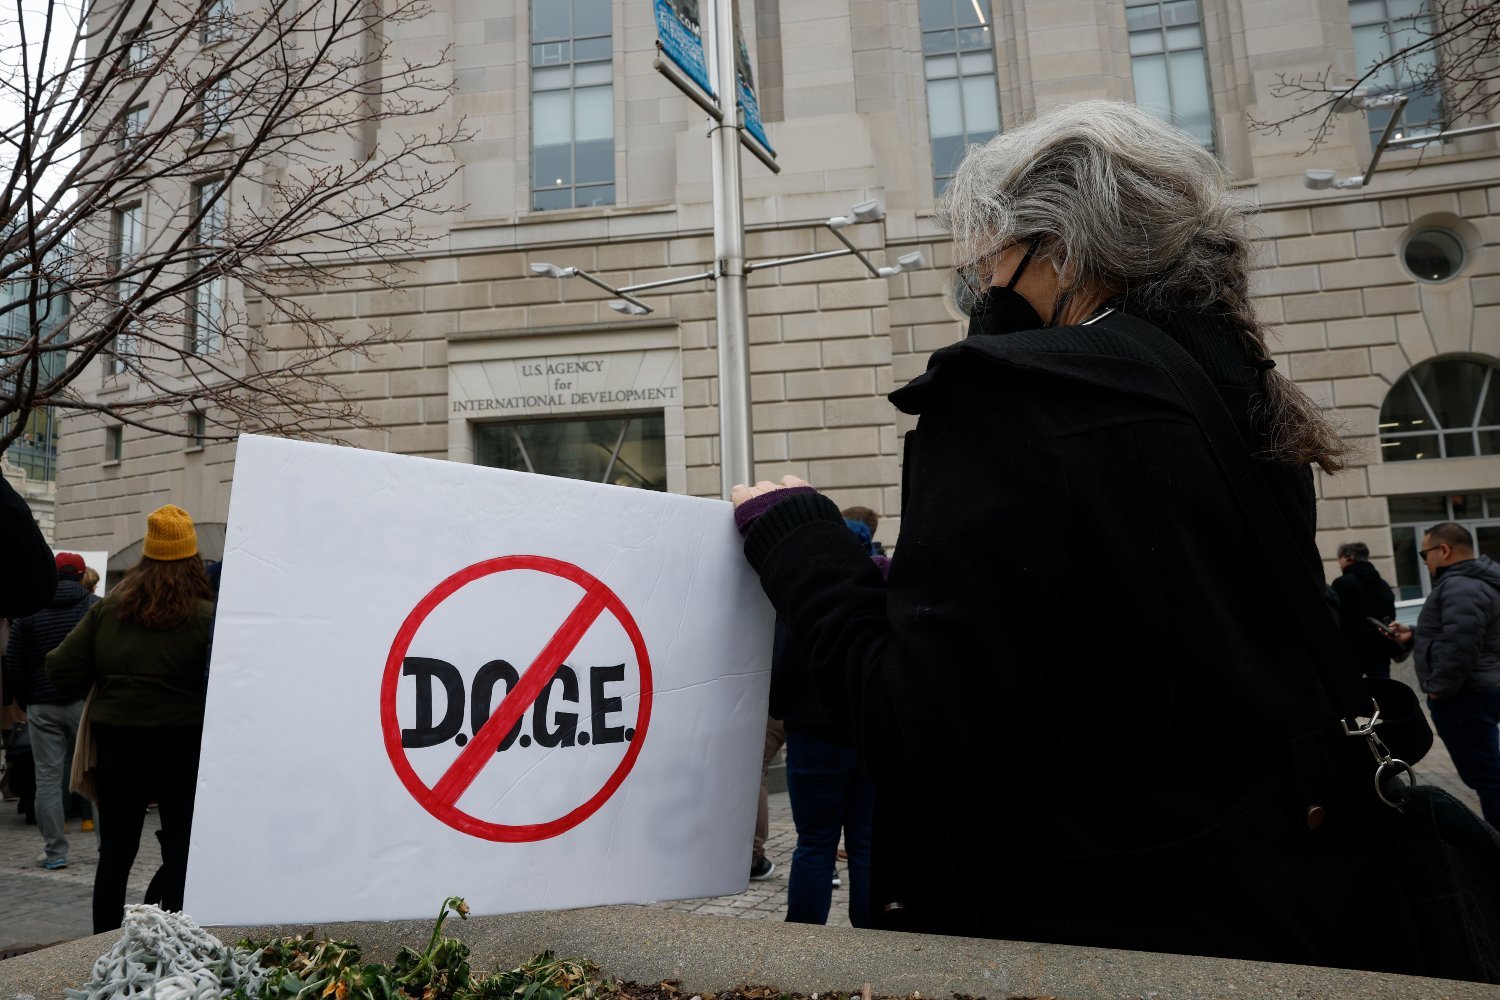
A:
(301, 968)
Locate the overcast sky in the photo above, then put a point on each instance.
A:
(65, 14)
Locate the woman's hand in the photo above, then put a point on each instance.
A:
(1400, 633)
(740, 493)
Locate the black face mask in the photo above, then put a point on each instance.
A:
(1002, 310)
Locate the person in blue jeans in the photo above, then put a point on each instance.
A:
(1457, 642)
(830, 795)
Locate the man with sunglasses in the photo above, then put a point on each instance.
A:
(1457, 642)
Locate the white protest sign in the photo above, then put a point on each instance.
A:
(432, 679)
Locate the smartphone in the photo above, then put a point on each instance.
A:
(1385, 629)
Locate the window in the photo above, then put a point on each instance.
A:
(625, 451)
(216, 109)
(1442, 409)
(1170, 68)
(1411, 516)
(198, 428)
(963, 104)
(1433, 255)
(35, 450)
(218, 22)
(132, 127)
(138, 49)
(1384, 27)
(572, 104)
(128, 242)
(114, 443)
(206, 298)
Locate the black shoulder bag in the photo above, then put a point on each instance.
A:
(1447, 859)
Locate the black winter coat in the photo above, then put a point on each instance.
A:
(1084, 727)
(34, 636)
(1458, 631)
(1364, 595)
(29, 573)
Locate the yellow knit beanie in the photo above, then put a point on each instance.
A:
(170, 534)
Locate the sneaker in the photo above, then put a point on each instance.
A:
(54, 864)
(87, 826)
(761, 869)
(836, 881)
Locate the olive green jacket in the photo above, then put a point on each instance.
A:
(141, 676)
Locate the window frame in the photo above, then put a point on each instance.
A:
(981, 30)
(198, 428)
(1377, 118)
(626, 418)
(120, 257)
(567, 58)
(211, 295)
(214, 113)
(138, 50)
(132, 126)
(1391, 438)
(218, 23)
(1165, 51)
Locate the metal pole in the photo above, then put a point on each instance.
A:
(736, 445)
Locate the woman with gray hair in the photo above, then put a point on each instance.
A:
(1081, 727)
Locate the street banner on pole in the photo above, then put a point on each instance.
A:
(753, 124)
(435, 679)
(679, 29)
(681, 34)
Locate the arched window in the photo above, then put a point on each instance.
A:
(1443, 409)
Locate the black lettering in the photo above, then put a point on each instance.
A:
(482, 693)
(602, 706)
(425, 670)
(567, 722)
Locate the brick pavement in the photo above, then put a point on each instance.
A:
(38, 907)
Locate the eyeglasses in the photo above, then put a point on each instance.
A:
(1422, 553)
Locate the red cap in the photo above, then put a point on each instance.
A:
(70, 564)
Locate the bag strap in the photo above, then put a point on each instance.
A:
(1331, 657)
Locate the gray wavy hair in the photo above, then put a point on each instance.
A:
(1122, 203)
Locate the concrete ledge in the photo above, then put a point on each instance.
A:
(713, 953)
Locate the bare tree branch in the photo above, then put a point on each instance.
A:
(172, 167)
(1450, 51)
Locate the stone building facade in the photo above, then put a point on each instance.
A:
(859, 96)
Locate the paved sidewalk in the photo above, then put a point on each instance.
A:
(38, 907)
(767, 900)
(41, 907)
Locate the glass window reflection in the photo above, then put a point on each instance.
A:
(624, 450)
(572, 105)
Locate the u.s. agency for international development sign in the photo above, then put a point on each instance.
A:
(431, 678)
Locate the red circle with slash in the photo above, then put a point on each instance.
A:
(440, 799)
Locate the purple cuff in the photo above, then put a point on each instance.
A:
(746, 513)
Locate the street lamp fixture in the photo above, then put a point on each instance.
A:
(865, 211)
(1321, 180)
(627, 303)
(1359, 100)
(905, 262)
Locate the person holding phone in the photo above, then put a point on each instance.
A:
(1457, 644)
(1365, 597)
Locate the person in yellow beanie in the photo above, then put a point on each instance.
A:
(144, 651)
